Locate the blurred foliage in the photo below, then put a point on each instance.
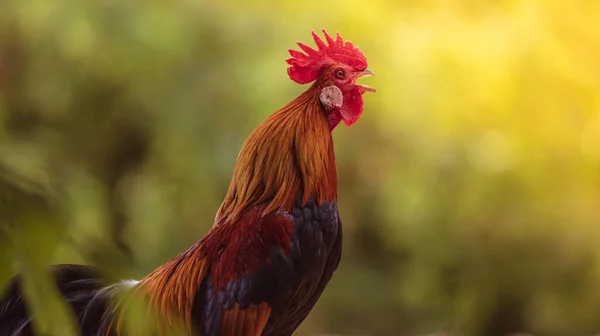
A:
(469, 189)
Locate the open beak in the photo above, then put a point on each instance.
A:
(365, 73)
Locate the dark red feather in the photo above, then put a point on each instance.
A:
(242, 248)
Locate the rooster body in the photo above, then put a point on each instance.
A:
(277, 237)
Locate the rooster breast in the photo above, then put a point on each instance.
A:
(290, 280)
(317, 234)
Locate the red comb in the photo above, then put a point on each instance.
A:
(305, 68)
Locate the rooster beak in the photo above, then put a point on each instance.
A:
(365, 73)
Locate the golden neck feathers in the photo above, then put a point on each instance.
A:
(288, 155)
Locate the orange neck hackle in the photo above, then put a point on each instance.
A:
(289, 154)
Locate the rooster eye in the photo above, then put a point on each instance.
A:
(340, 73)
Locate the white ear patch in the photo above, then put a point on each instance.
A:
(331, 97)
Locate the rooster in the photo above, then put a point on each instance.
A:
(277, 236)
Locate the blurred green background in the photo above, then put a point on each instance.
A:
(469, 189)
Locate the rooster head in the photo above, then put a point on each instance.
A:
(336, 65)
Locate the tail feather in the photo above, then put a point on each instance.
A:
(100, 307)
(83, 287)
